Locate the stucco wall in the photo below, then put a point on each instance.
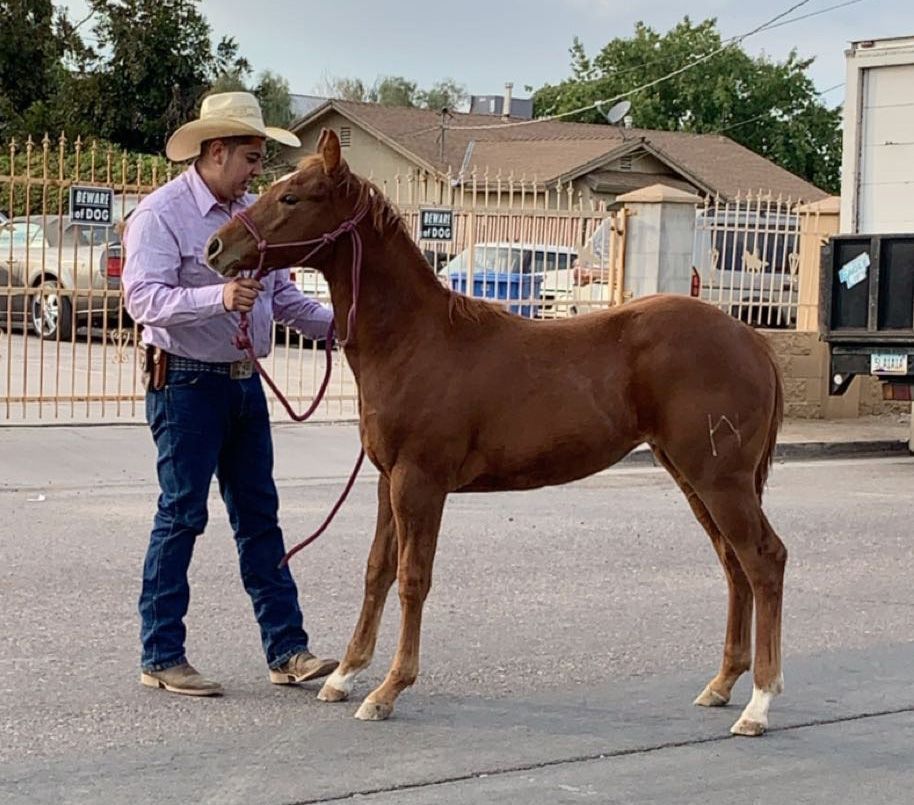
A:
(804, 362)
(366, 155)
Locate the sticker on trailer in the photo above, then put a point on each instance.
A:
(853, 272)
(91, 206)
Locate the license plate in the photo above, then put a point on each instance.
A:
(887, 363)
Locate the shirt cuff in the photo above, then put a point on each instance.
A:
(208, 300)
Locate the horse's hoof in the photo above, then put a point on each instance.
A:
(328, 693)
(710, 698)
(746, 726)
(373, 711)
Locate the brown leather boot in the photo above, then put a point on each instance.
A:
(182, 679)
(301, 667)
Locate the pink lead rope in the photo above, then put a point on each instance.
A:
(243, 340)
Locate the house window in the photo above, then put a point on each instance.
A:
(625, 163)
(345, 136)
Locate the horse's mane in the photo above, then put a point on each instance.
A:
(476, 310)
(386, 220)
(385, 217)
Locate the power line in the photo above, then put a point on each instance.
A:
(670, 57)
(741, 123)
(689, 65)
(831, 89)
(813, 14)
(765, 114)
(84, 20)
(678, 71)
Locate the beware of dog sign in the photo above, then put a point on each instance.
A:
(437, 224)
(93, 206)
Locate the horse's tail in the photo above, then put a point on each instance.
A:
(777, 417)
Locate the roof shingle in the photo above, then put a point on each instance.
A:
(552, 149)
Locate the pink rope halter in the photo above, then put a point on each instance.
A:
(243, 340)
(328, 238)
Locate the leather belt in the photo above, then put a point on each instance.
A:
(237, 370)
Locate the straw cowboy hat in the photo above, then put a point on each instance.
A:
(225, 114)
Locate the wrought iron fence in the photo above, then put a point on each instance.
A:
(68, 349)
(747, 255)
(67, 344)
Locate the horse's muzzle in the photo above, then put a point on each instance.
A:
(213, 249)
(218, 259)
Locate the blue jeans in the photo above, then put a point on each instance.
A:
(205, 423)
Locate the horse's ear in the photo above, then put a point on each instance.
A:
(328, 146)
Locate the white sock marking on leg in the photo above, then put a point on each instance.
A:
(343, 682)
(757, 709)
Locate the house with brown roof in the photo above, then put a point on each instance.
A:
(481, 153)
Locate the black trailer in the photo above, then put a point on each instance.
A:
(866, 311)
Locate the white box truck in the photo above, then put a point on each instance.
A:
(877, 170)
(867, 280)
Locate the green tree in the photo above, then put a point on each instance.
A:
(228, 82)
(155, 63)
(393, 90)
(97, 162)
(35, 39)
(387, 90)
(445, 94)
(29, 50)
(231, 68)
(273, 93)
(341, 88)
(770, 107)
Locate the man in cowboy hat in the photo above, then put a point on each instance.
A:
(205, 407)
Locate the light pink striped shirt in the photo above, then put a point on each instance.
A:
(169, 289)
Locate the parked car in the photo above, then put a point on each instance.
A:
(437, 259)
(590, 286)
(748, 260)
(125, 204)
(53, 273)
(542, 277)
(312, 283)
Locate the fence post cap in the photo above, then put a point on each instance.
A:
(828, 205)
(659, 193)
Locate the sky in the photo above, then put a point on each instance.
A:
(484, 43)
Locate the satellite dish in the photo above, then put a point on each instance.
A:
(619, 111)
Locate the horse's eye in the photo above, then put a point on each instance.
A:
(288, 198)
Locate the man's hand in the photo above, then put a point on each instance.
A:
(240, 294)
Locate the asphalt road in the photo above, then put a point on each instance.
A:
(567, 632)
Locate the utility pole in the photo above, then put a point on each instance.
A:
(442, 133)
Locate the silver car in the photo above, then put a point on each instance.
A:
(55, 275)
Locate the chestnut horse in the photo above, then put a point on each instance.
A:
(459, 395)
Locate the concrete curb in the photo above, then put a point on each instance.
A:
(803, 451)
(822, 450)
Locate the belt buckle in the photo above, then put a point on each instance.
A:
(241, 370)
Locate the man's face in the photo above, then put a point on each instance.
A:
(237, 167)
